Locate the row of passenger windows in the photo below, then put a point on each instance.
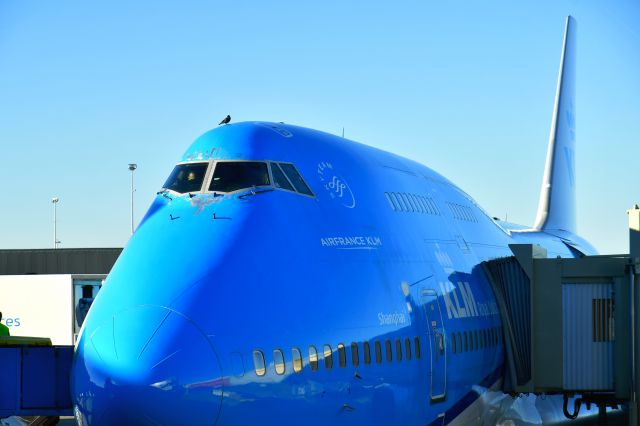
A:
(462, 212)
(475, 339)
(396, 348)
(229, 176)
(403, 202)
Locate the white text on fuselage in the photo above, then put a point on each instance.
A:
(358, 242)
(394, 318)
(461, 303)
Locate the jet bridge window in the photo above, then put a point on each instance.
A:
(230, 176)
(186, 177)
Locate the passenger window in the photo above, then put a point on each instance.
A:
(396, 202)
(258, 363)
(393, 206)
(388, 350)
(416, 201)
(313, 358)
(296, 356)
(406, 201)
(401, 202)
(426, 205)
(399, 349)
(366, 348)
(230, 176)
(475, 339)
(295, 178)
(279, 179)
(432, 206)
(378, 349)
(355, 358)
(416, 343)
(186, 177)
(342, 355)
(407, 197)
(278, 361)
(328, 357)
(466, 342)
(453, 343)
(459, 341)
(407, 348)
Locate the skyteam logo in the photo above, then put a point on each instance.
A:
(336, 185)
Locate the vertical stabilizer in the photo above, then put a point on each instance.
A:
(557, 206)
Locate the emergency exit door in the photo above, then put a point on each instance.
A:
(437, 345)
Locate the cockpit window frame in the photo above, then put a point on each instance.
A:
(277, 164)
(212, 164)
(205, 178)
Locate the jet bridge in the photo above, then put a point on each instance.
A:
(571, 325)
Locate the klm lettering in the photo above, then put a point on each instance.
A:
(459, 300)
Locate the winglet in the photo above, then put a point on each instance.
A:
(557, 206)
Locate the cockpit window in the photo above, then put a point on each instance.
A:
(186, 177)
(279, 179)
(295, 178)
(234, 175)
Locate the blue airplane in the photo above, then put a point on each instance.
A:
(287, 276)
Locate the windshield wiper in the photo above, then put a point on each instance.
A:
(164, 194)
(253, 191)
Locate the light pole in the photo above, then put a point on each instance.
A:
(55, 200)
(132, 167)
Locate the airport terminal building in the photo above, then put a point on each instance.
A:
(47, 292)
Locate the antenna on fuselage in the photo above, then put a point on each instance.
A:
(343, 132)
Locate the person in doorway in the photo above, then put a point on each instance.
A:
(82, 308)
(4, 330)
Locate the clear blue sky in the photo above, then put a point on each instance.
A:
(466, 88)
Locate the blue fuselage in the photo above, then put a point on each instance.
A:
(384, 255)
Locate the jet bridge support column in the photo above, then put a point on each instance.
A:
(634, 278)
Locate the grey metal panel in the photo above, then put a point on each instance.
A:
(58, 261)
(588, 337)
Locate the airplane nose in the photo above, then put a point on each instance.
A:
(146, 366)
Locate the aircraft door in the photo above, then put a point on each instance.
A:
(437, 345)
